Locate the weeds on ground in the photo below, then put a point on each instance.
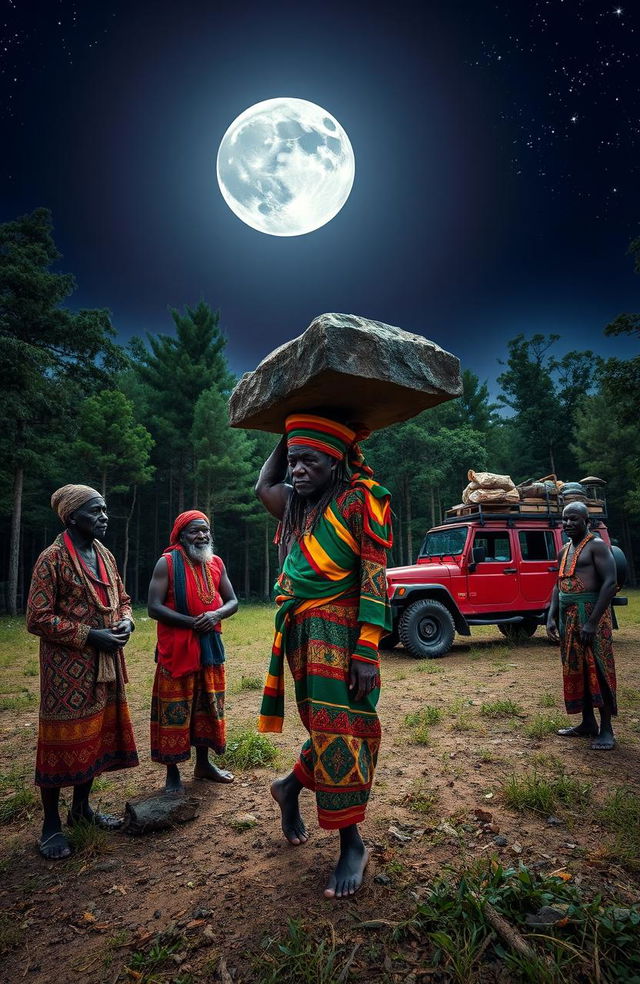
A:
(502, 709)
(428, 666)
(18, 703)
(89, 840)
(11, 934)
(547, 700)
(249, 750)
(144, 961)
(304, 957)
(250, 683)
(421, 798)
(419, 723)
(543, 724)
(17, 806)
(464, 722)
(587, 941)
(621, 814)
(540, 794)
(31, 669)
(240, 824)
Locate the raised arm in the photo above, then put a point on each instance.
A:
(271, 487)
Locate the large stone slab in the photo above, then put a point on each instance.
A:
(357, 369)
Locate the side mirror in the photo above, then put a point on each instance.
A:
(479, 555)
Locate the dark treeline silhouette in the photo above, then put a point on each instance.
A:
(147, 426)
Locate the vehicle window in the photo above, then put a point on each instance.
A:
(496, 545)
(537, 545)
(444, 543)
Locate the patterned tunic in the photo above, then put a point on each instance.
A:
(321, 636)
(84, 726)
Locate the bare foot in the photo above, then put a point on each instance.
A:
(604, 742)
(286, 796)
(212, 773)
(580, 731)
(349, 872)
(54, 847)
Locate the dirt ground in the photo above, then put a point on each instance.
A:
(226, 881)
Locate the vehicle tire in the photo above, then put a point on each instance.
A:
(390, 641)
(516, 632)
(426, 629)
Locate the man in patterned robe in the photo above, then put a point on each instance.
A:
(79, 608)
(580, 620)
(189, 595)
(333, 610)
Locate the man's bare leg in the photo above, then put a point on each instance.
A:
(53, 845)
(606, 739)
(588, 727)
(173, 782)
(286, 792)
(207, 770)
(349, 871)
(81, 811)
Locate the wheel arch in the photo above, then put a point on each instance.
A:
(437, 592)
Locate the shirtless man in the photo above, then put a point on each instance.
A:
(580, 621)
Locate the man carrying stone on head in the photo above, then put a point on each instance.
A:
(189, 595)
(333, 609)
(580, 620)
(79, 608)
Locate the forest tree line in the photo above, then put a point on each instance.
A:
(147, 426)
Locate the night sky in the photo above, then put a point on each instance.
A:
(497, 155)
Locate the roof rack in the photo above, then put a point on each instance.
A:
(547, 510)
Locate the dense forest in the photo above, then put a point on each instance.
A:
(147, 426)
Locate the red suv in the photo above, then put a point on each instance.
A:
(482, 568)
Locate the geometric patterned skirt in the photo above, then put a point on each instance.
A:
(588, 672)
(338, 759)
(187, 711)
(95, 737)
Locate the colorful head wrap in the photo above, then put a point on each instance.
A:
(339, 441)
(182, 521)
(66, 500)
(319, 433)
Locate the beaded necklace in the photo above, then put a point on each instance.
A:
(563, 572)
(204, 583)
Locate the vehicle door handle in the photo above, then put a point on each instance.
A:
(552, 570)
(510, 570)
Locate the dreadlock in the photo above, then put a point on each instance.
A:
(300, 516)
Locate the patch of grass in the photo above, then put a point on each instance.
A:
(19, 702)
(17, 806)
(589, 939)
(629, 695)
(422, 798)
(249, 750)
(621, 814)
(240, 824)
(100, 784)
(428, 666)
(549, 761)
(487, 755)
(303, 956)
(31, 669)
(502, 709)
(465, 722)
(540, 794)
(426, 715)
(250, 683)
(89, 840)
(159, 953)
(543, 724)
(548, 700)
(11, 935)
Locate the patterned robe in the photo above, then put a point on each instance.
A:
(187, 709)
(84, 726)
(333, 606)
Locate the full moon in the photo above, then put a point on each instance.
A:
(285, 166)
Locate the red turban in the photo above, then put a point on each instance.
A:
(183, 520)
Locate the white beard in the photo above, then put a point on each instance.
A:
(199, 554)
